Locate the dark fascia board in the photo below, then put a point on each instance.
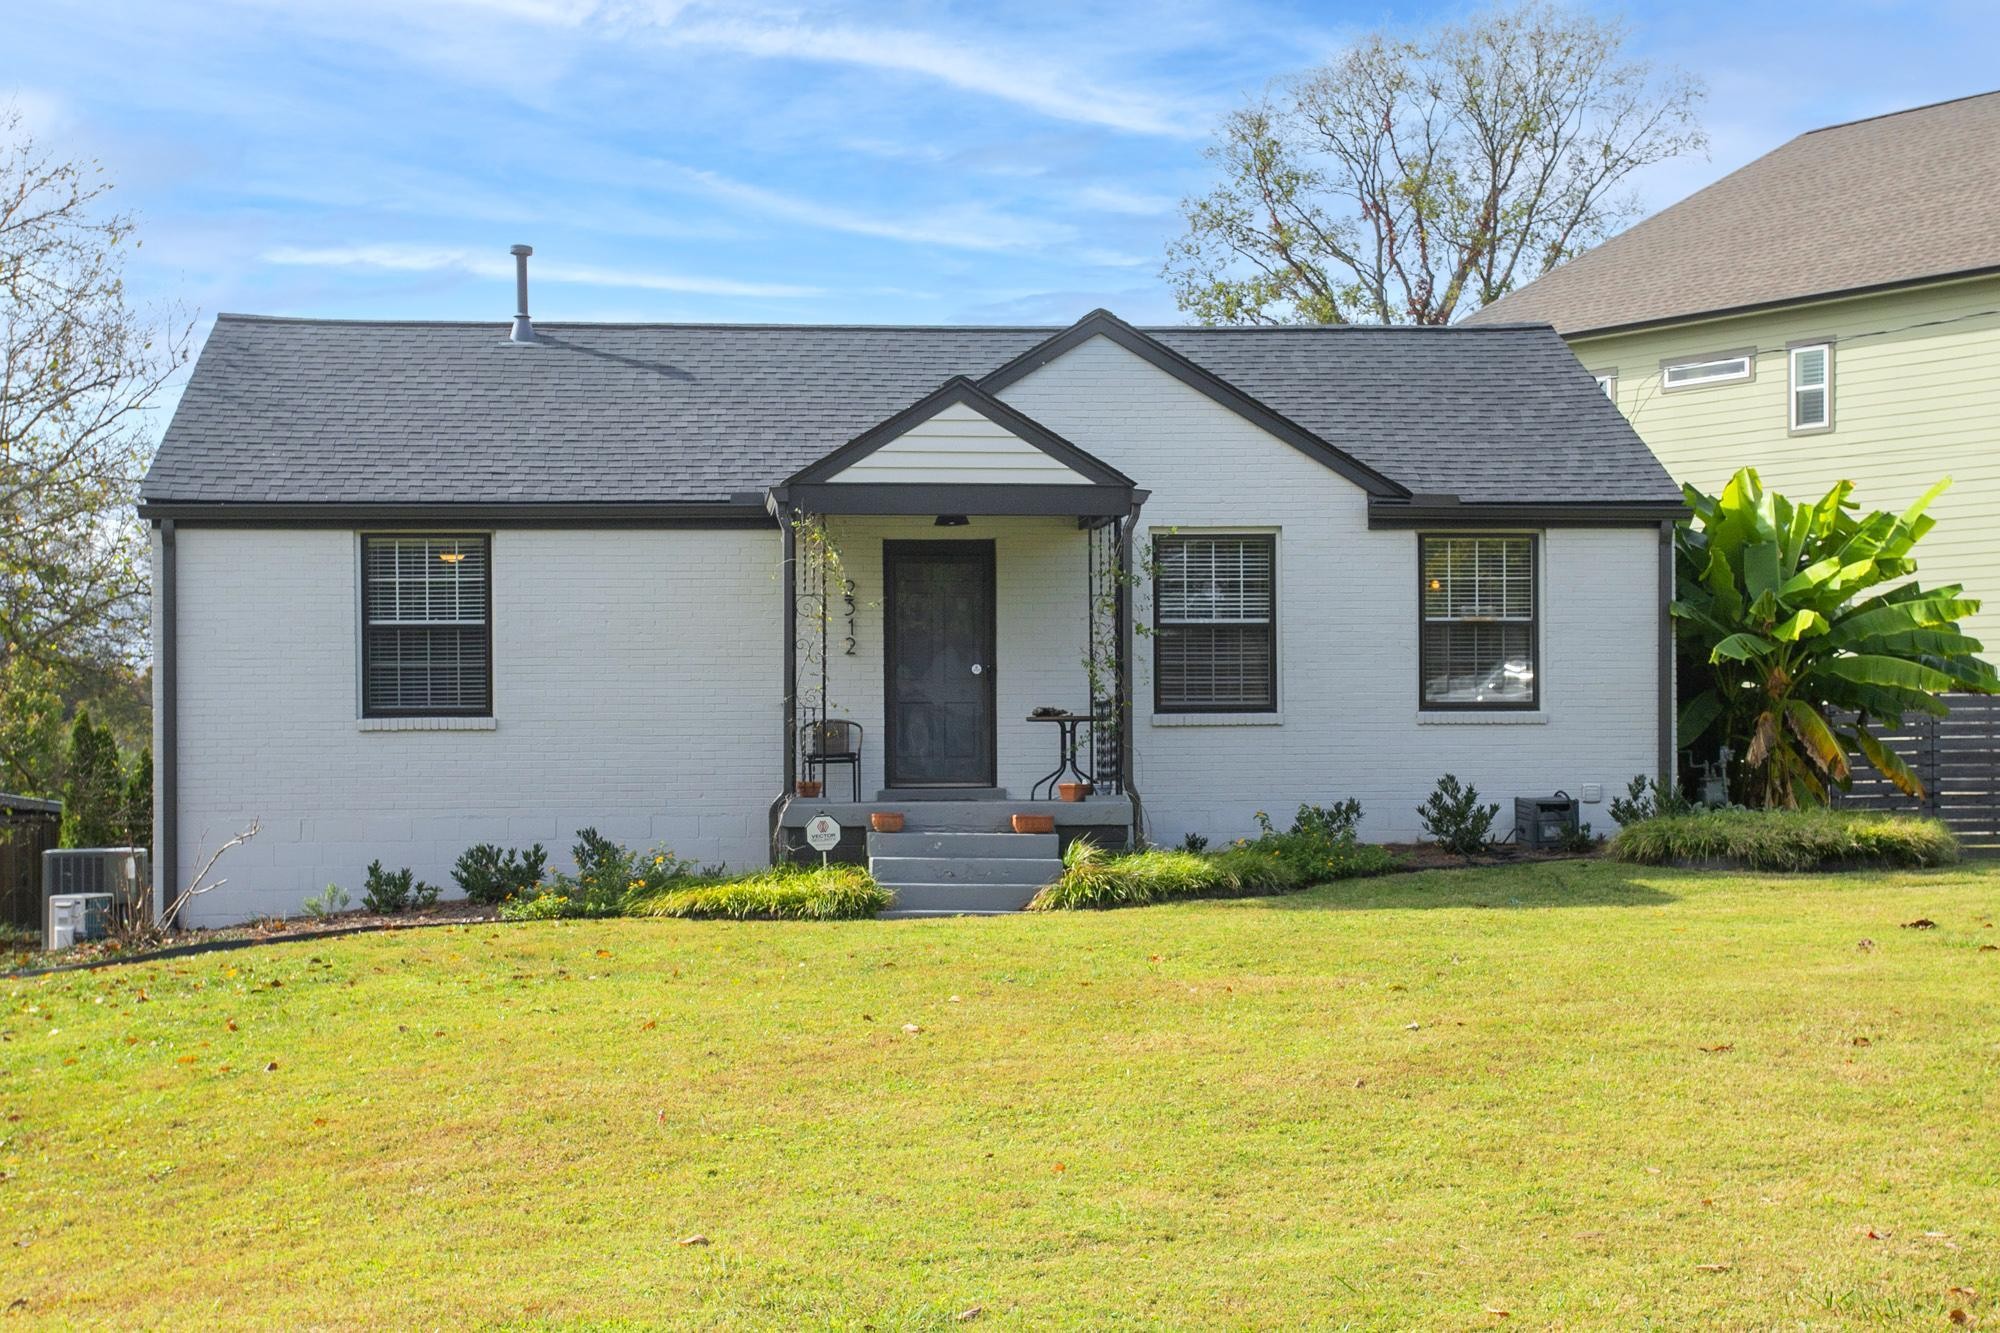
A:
(990, 500)
(1105, 324)
(1438, 513)
(1781, 302)
(956, 391)
(581, 514)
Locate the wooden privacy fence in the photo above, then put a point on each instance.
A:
(27, 829)
(1957, 757)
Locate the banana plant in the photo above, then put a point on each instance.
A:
(1816, 634)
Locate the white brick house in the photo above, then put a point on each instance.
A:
(419, 586)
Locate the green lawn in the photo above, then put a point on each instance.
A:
(1581, 1093)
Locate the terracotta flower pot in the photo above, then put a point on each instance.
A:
(807, 789)
(1034, 823)
(1073, 791)
(886, 821)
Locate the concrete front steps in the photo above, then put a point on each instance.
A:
(947, 871)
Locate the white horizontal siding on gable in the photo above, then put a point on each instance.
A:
(959, 445)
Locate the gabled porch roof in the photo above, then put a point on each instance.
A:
(959, 450)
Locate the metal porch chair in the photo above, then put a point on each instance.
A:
(831, 742)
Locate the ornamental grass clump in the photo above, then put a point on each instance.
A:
(1319, 847)
(783, 893)
(1787, 840)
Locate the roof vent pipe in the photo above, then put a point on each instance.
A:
(523, 332)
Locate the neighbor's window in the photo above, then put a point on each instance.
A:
(426, 635)
(1707, 370)
(1812, 387)
(1477, 600)
(1607, 383)
(1215, 624)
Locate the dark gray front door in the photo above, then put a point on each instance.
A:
(939, 663)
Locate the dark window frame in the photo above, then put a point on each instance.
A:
(485, 539)
(1534, 700)
(1270, 541)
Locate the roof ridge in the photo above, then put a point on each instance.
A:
(244, 317)
(1902, 111)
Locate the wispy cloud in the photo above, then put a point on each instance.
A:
(428, 259)
(962, 227)
(1115, 199)
(1022, 78)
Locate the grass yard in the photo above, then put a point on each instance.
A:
(1584, 1094)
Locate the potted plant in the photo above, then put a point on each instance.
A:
(1034, 823)
(1074, 791)
(886, 821)
(807, 787)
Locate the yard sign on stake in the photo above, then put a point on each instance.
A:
(822, 835)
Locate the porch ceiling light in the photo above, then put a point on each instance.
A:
(952, 521)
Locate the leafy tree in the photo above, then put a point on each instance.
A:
(31, 729)
(1410, 179)
(137, 811)
(1804, 665)
(79, 371)
(94, 788)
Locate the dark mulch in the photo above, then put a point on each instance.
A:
(1430, 856)
(22, 956)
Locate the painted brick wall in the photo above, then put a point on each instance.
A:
(1348, 720)
(635, 688)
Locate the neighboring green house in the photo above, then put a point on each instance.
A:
(1830, 310)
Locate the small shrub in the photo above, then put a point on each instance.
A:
(783, 893)
(1331, 823)
(1193, 842)
(387, 892)
(542, 905)
(1645, 798)
(1455, 819)
(332, 902)
(1787, 840)
(606, 876)
(488, 875)
(1579, 839)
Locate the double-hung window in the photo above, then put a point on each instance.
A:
(1812, 386)
(426, 626)
(1476, 598)
(1215, 611)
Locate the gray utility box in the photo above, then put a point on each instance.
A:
(69, 918)
(1544, 821)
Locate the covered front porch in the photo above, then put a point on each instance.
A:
(958, 631)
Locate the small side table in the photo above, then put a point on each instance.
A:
(1067, 743)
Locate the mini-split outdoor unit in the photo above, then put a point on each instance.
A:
(68, 918)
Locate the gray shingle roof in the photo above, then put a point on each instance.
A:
(1892, 199)
(310, 411)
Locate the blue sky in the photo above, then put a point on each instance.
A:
(875, 163)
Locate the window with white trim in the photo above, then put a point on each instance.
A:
(1707, 370)
(426, 626)
(1812, 386)
(1607, 384)
(1476, 600)
(1215, 622)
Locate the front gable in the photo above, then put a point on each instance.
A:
(1103, 324)
(960, 435)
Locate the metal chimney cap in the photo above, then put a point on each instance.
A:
(520, 250)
